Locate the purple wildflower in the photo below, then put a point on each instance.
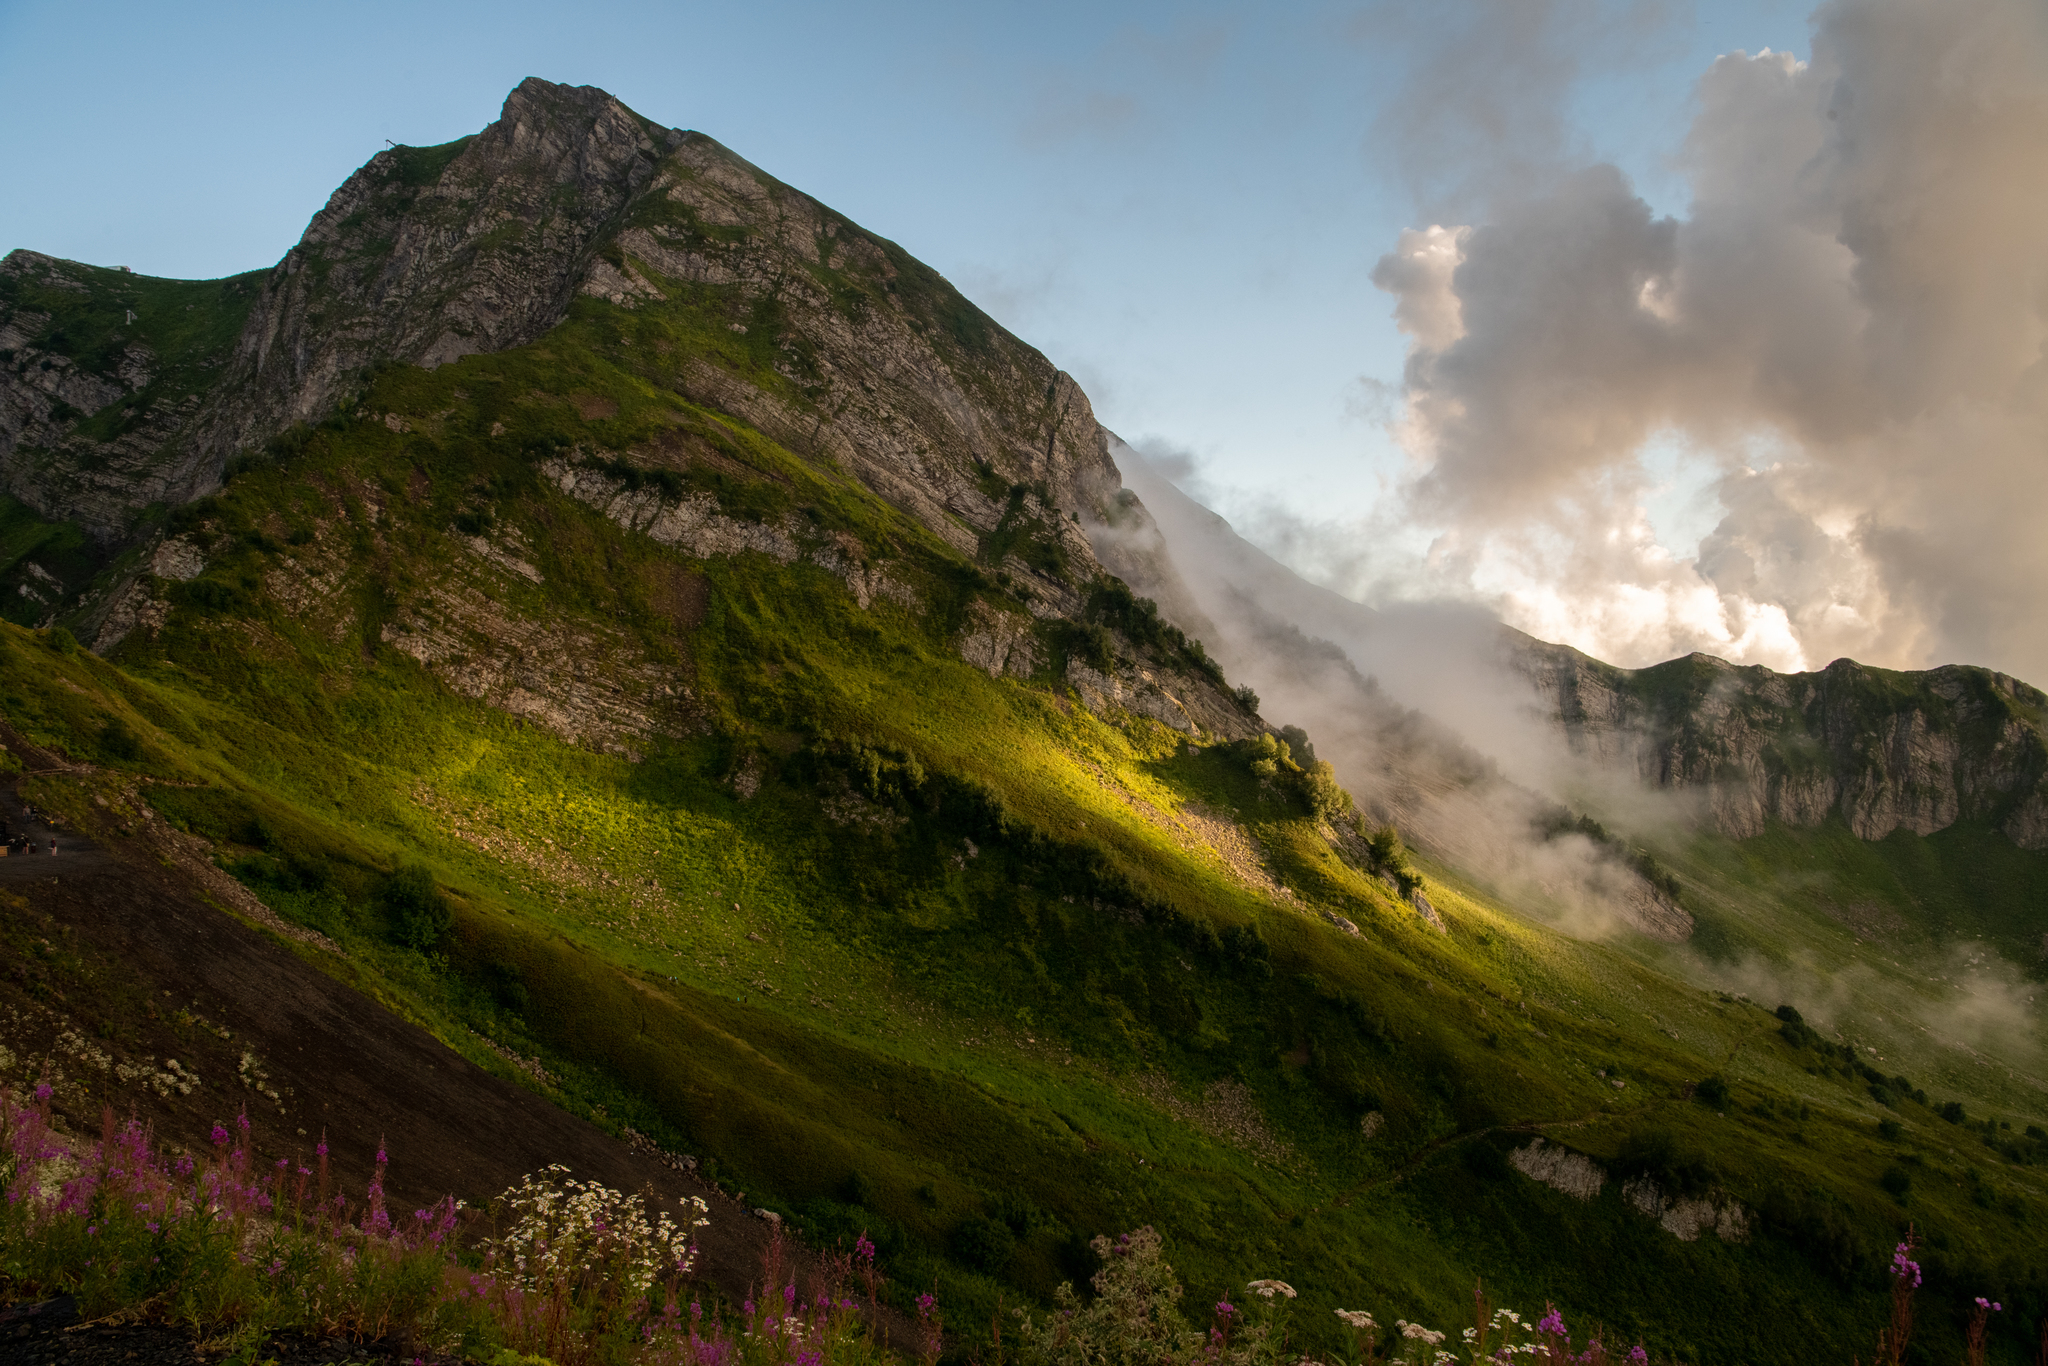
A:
(220, 1136)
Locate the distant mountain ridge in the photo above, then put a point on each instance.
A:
(1878, 749)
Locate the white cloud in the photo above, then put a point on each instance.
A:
(1859, 288)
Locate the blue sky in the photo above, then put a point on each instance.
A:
(1180, 203)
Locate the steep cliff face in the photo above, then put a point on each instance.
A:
(1880, 750)
(428, 254)
(832, 341)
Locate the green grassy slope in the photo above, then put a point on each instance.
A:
(898, 946)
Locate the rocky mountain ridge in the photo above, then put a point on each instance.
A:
(832, 342)
(1877, 749)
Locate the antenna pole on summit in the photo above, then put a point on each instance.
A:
(389, 143)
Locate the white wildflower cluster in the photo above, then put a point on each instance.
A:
(1416, 1332)
(1500, 1332)
(253, 1077)
(1268, 1289)
(1357, 1319)
(564, 1230)
(79, 1047)
(172, 1077)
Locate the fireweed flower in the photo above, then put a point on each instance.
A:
(1552, 1322)
(1225, 1308)
(220, 1136)
(43, 1091)
(1903, 1266)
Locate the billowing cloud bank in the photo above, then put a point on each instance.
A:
(1845, 335)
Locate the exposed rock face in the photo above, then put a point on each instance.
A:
(1561, 1169)
(1683, 1217)
(1882, 751)
(999, 643)
(1175, 700)
(429, 254)
(56, 378)
(871, 360)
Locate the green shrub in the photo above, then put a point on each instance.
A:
(983, 1244)
(117, 742)
(419, 915)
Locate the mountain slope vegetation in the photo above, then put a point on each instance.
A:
(712, 696)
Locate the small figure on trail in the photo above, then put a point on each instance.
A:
(53, 846)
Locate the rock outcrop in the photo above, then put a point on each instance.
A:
(1879, 750)
(96, 422)
(428, 254)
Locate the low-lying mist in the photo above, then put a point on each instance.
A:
(1431, 725)
(1421, 709)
